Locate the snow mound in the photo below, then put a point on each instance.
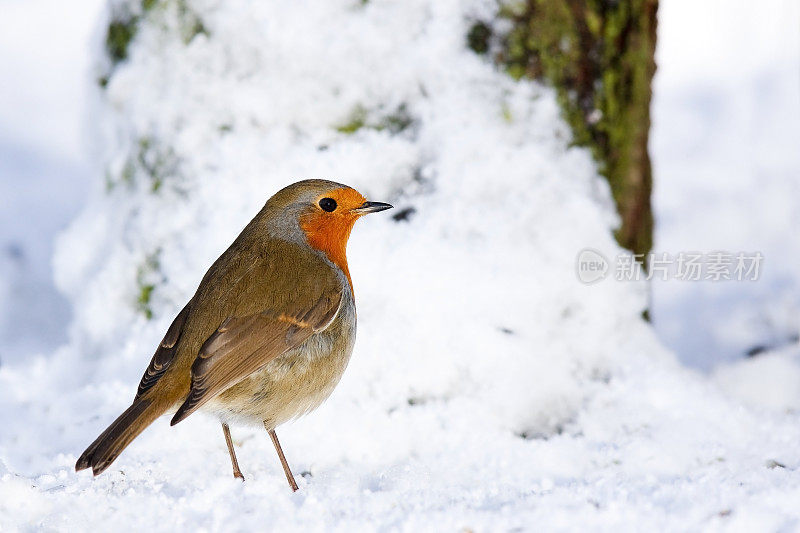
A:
(489, 388)
(473, 295)
(770, 380)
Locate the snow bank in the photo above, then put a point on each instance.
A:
(489, 388)
(770, 380)
(725, 137)
(474, 295)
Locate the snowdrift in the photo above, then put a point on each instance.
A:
(489, 388)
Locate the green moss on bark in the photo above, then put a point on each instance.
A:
(125, 25)
(152, 164)
(478, 37)
(599, 56)
(146, 276)
(395, 122)
(118, 37)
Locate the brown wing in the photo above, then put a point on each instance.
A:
(242, 345)
(165, 353)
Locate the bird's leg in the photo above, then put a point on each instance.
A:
(286, 470)
(227, 431)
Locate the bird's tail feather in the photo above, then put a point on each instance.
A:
(107, 447)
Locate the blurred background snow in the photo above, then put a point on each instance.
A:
(725, 145)
(45, 168)
(726, 154)
(725, 138)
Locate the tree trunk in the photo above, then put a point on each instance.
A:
(599, 55)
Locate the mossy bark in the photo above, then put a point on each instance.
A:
(125, 21)
(599, 55)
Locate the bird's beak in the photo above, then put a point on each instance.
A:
(370, 207)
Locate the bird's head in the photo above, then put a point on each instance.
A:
(321, 214)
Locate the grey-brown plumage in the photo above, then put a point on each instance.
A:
(269, 331)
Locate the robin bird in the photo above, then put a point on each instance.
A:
(269, 331)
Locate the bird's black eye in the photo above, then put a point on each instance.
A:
(327, 204)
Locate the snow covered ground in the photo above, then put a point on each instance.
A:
(44, 174)
(489, 389)
(726, 151)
